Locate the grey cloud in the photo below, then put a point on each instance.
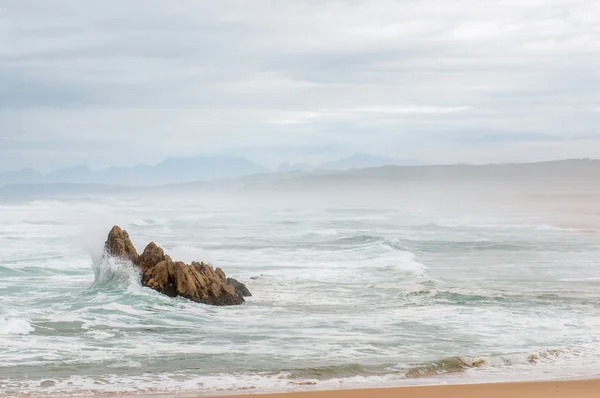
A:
(245, 77)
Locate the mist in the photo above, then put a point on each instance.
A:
(562, 193)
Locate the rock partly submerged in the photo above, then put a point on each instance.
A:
(196, 281)
(239, 287)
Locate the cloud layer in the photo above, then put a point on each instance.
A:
(122, 82)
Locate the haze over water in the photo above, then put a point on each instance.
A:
(367, 168)
(344, 295)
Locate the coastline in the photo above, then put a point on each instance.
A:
(579, 388)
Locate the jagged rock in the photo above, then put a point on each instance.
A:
(119, 245)
(152, 255)
(239, 287)
(198, 282)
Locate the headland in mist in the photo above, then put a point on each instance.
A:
(555, 174)
(567, 186)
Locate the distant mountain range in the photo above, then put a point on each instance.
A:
(184, 169)
(171, 170)
(558, 178)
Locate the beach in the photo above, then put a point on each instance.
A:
(556, 389)
(300, 199)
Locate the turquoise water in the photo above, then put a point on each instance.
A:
(342, 297)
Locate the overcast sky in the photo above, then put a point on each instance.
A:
(122, 82)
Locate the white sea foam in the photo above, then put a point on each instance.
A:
(312, 303)
(324, 232)
(242, 383)
(100, 335)
(112, 270)
(401, 261)
(10, 325)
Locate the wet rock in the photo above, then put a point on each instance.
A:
(119, 245)
(239, 287)
(198, 281)
(47, 383)
(152, 255)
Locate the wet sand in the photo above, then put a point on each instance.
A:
(563, 389)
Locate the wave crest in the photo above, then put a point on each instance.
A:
(462, 363)
(112, 271)
(15, 326)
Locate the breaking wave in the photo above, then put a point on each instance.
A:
(462, 363)
(436, 368)
(325, 377)
(10, 325)
(340, 302)
(115, 272)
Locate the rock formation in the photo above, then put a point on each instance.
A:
(239, 287)
(119, 245)
(197, 281)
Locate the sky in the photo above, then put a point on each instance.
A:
(123, 82)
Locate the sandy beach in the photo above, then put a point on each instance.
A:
(300, 199)
(567, 389)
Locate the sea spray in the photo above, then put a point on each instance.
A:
(115, 272)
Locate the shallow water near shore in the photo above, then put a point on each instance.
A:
(342, 297)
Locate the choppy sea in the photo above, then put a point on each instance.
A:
(342, 297)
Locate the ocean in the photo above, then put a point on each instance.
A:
(343, 297)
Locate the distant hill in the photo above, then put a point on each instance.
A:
(286, 167)
(356, 161)
(207, 167)
(79, 174)
(562, 177)
(363, 160)
(559, 173)
(23, 176)
(171, 170)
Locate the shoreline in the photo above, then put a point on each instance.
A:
(584, 387)
(570, 388)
